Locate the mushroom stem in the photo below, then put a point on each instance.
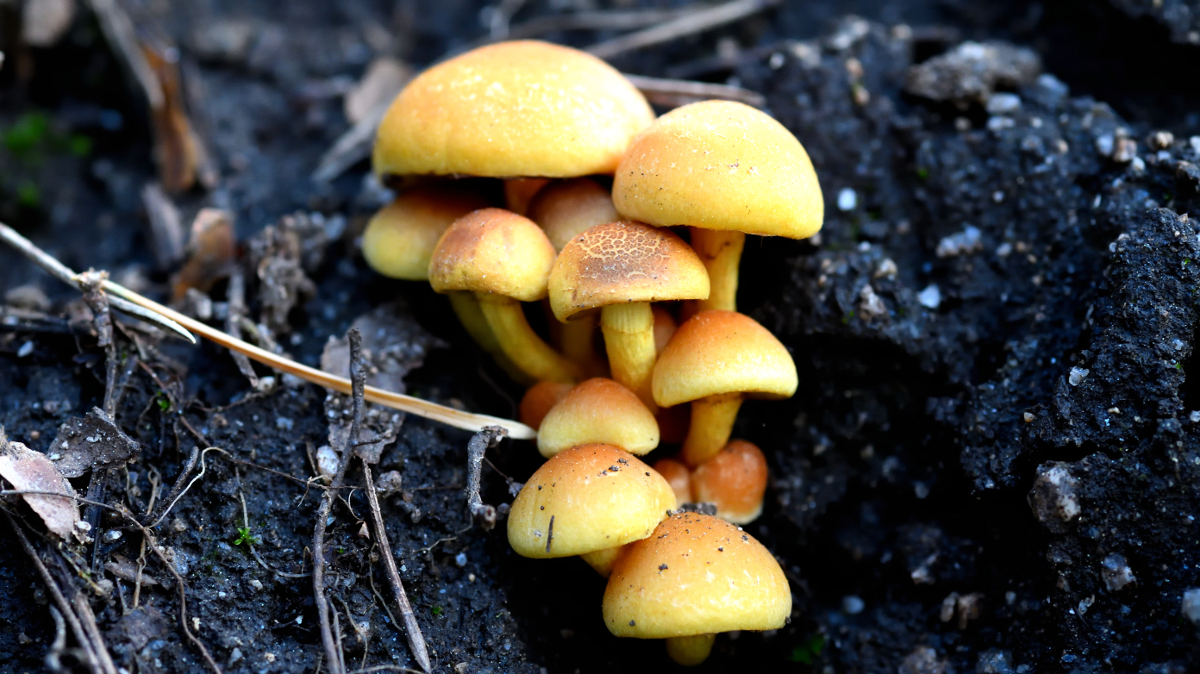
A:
(602, 560)
(690, 651)
(629, 340)
(576, 339)
(721, 252)
(528, 352)
(711, 426)
(466, 307)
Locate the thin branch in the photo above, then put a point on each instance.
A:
(689, 24)
(673, 93)
(390, 399)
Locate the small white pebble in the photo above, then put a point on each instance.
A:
(221, 595)
(1003, 103)
(112, 535)
(255, 584)
(460, 559)
(852, 604)
(1078, 374)
(930, 297)
(776, 61)
(847, 200)
(1194, 141)
(1191, 605)
(25, 350)
(284, 423)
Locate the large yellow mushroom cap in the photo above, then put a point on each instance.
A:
(718, 352)
(598, 410)
(400, 238)
(720, 165)
(522, 108)
(696, 574)
(588, 498)
(493, 251)
(620, 262)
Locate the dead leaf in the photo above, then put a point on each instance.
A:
(176, 149)
(28, 470)
(210, 250)
(393, 345)
(91, 442)
(384, 79)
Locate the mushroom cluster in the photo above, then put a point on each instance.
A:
(620, 226)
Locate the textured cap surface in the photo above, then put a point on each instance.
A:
(588, 498)
(399, 239)
(493, 251)
(512, 109)
(598, 410)
(717, 352)
(696, 574)
(620, 262)
(720, 165)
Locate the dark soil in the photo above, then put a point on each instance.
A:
(993, 461)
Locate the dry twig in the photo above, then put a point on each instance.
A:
(674, 93)
(483, 514)
(689, 24)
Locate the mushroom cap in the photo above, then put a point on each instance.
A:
(598, 410)
(588, 498)
(512, 109)
(399, 239)
(539, 400)
(696, 574)
(564, 209)
(735, 479)
(678, 476)
(717, 352)
(519, 191)
(720, 165)
(620, 262)
(493, 251)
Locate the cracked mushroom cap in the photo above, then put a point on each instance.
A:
(512, 109)
(400, 238)
(718, 352)
(493, 251)
(588, 498)
(696, 574)
(720, 165)
(598, 410)
(621, 262)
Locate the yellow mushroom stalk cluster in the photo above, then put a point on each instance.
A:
(624, 231)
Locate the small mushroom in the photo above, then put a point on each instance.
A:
(586, 500)
(735, 479)
(678, 476)
(518, 192)
(621, 267)
(715, 361)
(695, 576)
(598, 410)
(504, 259)
(726, 170)
(538, 401)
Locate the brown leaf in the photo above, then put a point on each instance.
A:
(94, 441)
(28, 470)
(210, 250)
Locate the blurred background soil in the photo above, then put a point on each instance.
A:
(993, 461)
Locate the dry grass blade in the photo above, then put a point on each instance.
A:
(391, 399)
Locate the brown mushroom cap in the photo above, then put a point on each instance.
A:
(718, 352)
(720, 165)
(399, 239)
(493, 251)
(678, 476)
(588, 498)
(598, 410)
(539, 400)
(735, 479)
(621, 262)
(696, 574)
(512, 109)
(564, 209)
